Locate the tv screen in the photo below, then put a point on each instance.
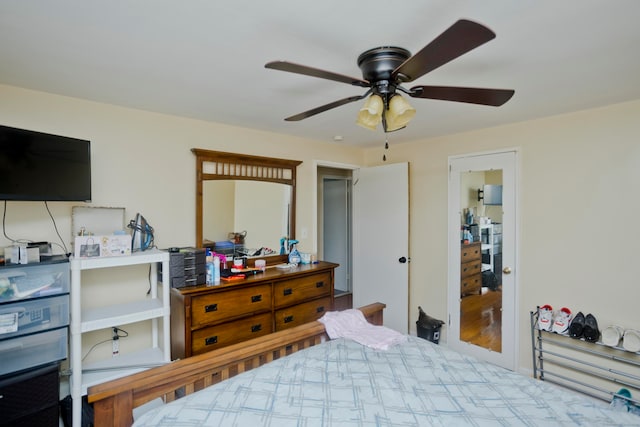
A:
(38, 166)
(492, 195)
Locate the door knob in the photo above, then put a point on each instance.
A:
(402, 260)
(506, 270)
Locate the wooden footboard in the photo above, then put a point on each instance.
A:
(113, 401)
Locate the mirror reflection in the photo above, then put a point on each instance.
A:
(481, 259)
(250, 214)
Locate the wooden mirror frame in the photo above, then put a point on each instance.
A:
(227, 166)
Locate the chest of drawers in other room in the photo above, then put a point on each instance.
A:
(470, 269)
(204, 318)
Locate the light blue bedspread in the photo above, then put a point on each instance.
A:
(342, 383)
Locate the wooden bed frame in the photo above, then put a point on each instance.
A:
(114, 401)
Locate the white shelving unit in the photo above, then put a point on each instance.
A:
(488, 246)
(154, 308)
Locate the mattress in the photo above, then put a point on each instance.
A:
(418, 383)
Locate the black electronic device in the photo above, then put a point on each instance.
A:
(39, 166)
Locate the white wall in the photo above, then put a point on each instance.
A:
(143, 162)
(579, 204)
(578, 194)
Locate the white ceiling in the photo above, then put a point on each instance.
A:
(205, 58)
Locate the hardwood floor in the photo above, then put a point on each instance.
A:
(342, 300)
(481, 319)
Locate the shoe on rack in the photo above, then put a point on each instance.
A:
(561, 321)
(611, 335)
(577, 326)
(631, 340)
(545, 317)
(620, 401)
(590, 331)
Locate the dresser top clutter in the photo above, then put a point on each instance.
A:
(271, 273)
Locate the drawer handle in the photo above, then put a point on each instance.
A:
(211, 307)
(211, 340)
(256, 298)
(320, 309)
(287, 291)
(256, 328)
(288, 319)
(319, 284)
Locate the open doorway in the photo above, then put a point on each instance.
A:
(335, 229)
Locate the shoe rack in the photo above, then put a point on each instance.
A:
(591, 368)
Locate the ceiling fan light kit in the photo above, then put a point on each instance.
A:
(398, 114)
(384, 70)
(371, 112)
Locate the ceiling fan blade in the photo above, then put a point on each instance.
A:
(323, 108)
(316, 72)
(493, 97)
(457, 40)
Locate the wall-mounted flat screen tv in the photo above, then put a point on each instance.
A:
(492, 195)
(39, 166)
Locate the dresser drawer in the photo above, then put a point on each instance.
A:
(302, 313)
(470, 268)
(208, 339)
(28, 351)
(33, 315)
(220, 306)
(470, 252)
(31, 398)
(471, 285)
(301, 289)
(34, 280)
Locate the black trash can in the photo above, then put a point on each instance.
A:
(428, 327)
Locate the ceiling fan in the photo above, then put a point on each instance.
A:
(385, 69)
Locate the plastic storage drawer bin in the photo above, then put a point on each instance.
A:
(18, 281)
(28, 351)
(33, 315)
(31, 398)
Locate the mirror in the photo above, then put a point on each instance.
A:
(256, 211)
(249, 197)
(481, 292)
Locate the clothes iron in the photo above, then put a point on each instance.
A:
(141, 234)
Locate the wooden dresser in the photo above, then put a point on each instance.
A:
(470, 269)
(204, 318)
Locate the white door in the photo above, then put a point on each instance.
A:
(381, 241)
(498, 316)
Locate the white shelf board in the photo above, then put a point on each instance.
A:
(119, 366)
(153, 255)
(121, 314)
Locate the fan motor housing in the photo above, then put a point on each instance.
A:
(378, 63)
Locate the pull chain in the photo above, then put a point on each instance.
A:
(386, 147)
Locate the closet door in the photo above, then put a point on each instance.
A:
(381, 241)
(484, 324)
